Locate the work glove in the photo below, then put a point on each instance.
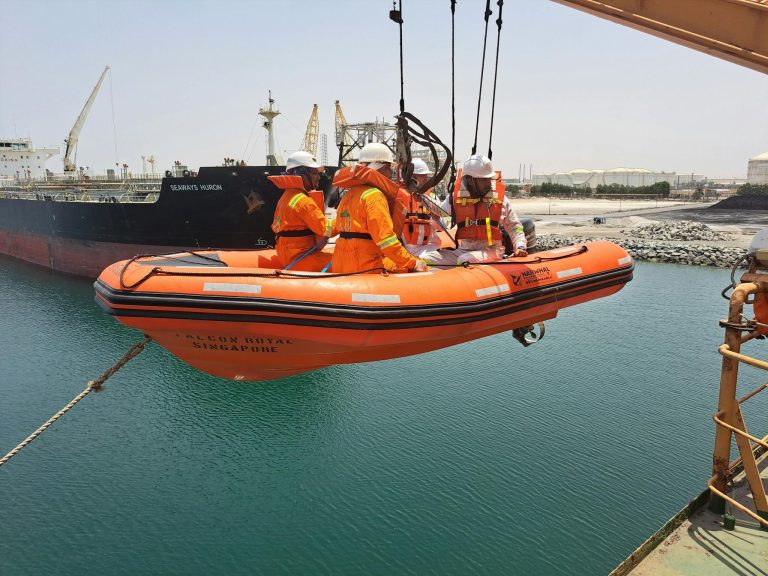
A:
(420, 266)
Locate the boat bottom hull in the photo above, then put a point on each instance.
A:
(78, 257)
(258, 351)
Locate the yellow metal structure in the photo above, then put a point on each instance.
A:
(310, 136)
(344, 140)
(729, 417)
(341, 127)
(734, 30)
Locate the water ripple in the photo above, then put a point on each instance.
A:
(556, 459)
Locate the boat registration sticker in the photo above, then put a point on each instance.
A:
(234, 288)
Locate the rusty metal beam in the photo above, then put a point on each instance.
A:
(734, 30)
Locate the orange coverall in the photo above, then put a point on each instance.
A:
(365, 210)
(297, 212)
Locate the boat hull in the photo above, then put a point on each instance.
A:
(250, 323)
(78, 257)
(81, 231)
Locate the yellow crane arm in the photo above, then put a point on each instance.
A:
(734, 30)
(309, 143)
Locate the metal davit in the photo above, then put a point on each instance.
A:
(729, 419)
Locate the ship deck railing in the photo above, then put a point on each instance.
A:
(143, 188)
(725, 529)
(729, 418)
(96, 195)
(84, 180)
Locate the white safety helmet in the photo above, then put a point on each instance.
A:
(376, 152)
(301, 158)
(420, 167)
(479, 166)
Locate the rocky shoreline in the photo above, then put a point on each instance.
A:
(673, 242)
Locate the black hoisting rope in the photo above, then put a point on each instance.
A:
(482, 71)
(396, 15)
(452, 179)
(500, 4)
(407, 134)
(403, 141)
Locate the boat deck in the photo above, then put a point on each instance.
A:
(695, 542)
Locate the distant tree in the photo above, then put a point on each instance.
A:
(658, 189)
(753, 190)
(559, 190)
(512, 190)
(661, 188)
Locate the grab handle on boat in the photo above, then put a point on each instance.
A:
(526, 335)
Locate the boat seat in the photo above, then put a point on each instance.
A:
(184, 259)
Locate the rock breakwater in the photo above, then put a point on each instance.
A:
(673, 242)
(685, 230)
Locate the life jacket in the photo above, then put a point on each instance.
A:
(364, 223)
(280, 225)
(411, 219)
(478, 218)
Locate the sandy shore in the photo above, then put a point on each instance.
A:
(575, 218)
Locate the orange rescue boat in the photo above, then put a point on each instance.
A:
(231, 314)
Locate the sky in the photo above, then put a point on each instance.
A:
(188, 77)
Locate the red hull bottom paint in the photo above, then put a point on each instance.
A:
(78, 257)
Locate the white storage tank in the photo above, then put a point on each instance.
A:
(757, 169)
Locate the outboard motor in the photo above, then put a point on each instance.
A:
(529, 229)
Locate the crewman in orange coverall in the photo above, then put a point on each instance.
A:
(300, 225)
(363, 220)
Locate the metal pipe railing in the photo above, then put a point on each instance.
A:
(729, 419)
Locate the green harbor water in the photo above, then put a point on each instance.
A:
(485, 458)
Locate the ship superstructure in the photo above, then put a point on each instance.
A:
(20, 160)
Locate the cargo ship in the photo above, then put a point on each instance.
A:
(79, 223)
(82, 228)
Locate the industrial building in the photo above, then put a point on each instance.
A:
(757, 169)
(582, 178)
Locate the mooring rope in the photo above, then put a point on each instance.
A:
(92, 386)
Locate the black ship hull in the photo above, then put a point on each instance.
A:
(221, 207)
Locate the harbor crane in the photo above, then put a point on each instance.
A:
(71, 140)
(343, 139)
(310, 136)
